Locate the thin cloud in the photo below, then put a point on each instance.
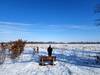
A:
(75, 27)
(11, 27)
(14, 23)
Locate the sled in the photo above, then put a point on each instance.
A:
(49, 59)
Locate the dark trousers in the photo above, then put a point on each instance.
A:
(49, 52)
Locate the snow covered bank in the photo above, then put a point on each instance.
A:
(69, 62)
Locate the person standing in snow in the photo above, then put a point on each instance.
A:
(34, 51)
(2, 53)
(2, 47)
(37, 49)
(49, 50)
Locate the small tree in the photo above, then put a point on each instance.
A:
(97, 12)
(17, 48)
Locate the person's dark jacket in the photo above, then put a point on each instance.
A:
(49, 51)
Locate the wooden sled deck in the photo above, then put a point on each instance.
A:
(49, 59)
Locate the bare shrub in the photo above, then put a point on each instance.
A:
(17, 48)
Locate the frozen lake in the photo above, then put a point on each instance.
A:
(71, 60)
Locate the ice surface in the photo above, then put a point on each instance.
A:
(71, 60)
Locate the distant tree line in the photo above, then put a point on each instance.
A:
(32, 42)
(83, 43)
(45, 42)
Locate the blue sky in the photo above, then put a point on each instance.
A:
(48, 20)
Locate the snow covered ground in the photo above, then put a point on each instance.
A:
(71, 60)
(68, 46)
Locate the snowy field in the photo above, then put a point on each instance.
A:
(68, 46)
(72, 59)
